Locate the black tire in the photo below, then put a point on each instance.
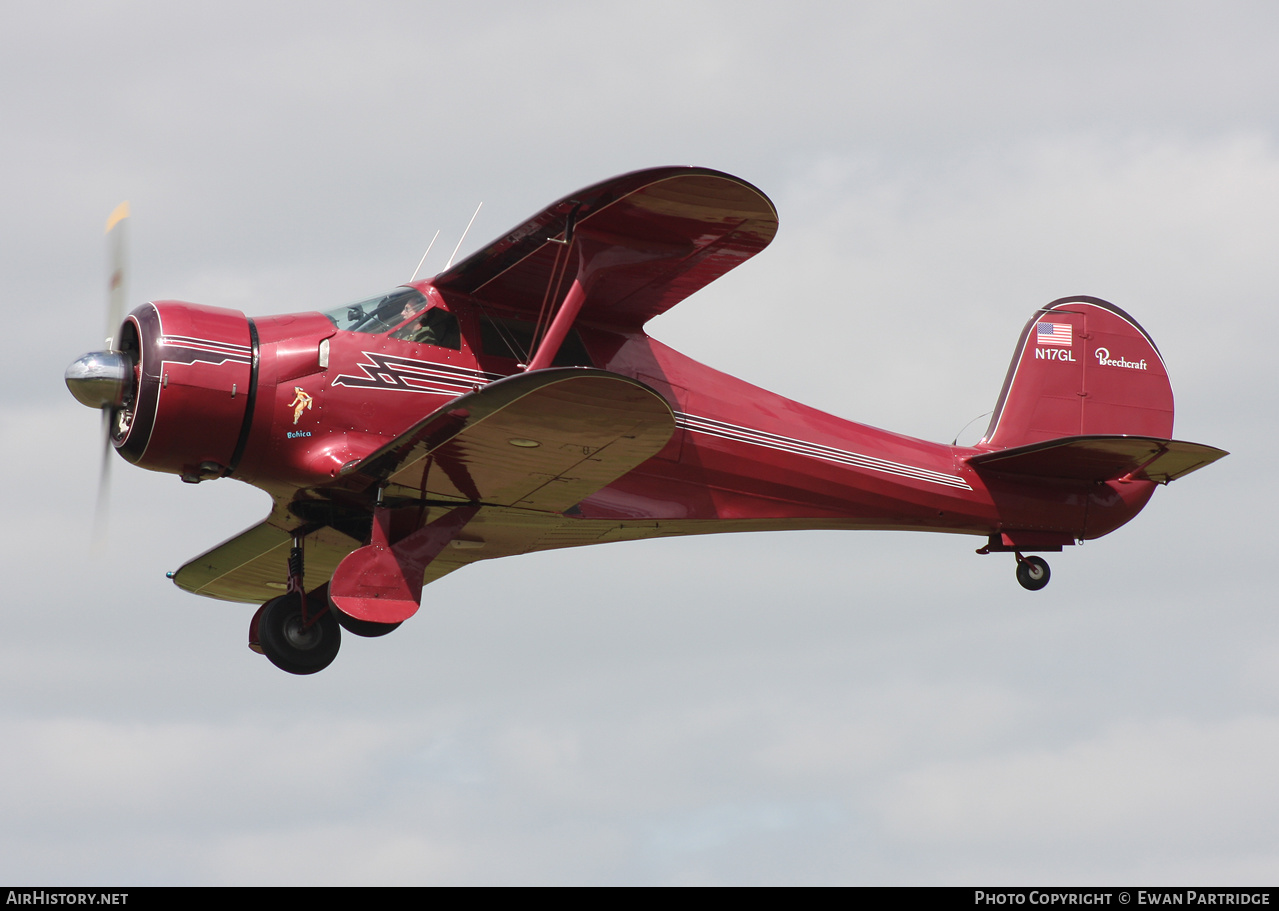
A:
(292, 647)
(366, 628)
(1033, 573)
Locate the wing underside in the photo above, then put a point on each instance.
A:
(526, 449)
(252, 565)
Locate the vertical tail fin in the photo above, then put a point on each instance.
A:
(1082, 367)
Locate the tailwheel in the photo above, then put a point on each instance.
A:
(1032, 572)
(290, 642)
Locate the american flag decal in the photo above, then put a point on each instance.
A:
(1053, 334)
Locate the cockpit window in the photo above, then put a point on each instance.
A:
(434, 327)
(378, 314)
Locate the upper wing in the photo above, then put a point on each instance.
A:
(685, 226)
(541, 440)
(1102, 458)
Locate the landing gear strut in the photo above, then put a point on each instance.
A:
(298, 632)
(1032, 572)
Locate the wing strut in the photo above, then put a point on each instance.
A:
(596, 253)
(544, 356)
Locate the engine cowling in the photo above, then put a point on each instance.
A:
(193, 371)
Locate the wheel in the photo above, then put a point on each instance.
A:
(292, 647)
(1033, 573)
(366, 628)
(318, 600)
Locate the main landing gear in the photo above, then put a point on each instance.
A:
(367, 629)
(301, 632)
(296, 640)
(306, 642)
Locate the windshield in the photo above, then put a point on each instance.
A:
(377, 314)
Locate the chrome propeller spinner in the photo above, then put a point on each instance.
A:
(100, 379)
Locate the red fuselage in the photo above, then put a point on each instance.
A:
(284, 402)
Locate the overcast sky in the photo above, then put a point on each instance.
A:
(857, 708)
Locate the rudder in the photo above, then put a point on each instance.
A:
(1082, 367)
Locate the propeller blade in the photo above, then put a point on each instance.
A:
(117, 295)
(101, 509)
(117, 288)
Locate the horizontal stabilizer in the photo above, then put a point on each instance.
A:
(1101, 458)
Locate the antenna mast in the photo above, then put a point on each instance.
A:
(463, 237)
(424, 255)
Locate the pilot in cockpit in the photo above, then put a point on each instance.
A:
(388, 314)
(436, 327)
(412, 307)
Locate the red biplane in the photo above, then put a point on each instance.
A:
(514, 404)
